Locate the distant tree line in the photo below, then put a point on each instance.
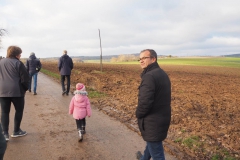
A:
(131, 57)
(124, 58)
(232, 55)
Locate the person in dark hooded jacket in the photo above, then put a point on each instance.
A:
(65, 66)
(33, 67)
(154, 106)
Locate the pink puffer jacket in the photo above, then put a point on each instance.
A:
(80, 106)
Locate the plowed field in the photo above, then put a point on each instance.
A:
(205, 104)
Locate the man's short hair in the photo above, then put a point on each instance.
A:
(153, 54)
(13, 51)
(65, 52)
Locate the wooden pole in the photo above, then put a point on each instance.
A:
(100, 50)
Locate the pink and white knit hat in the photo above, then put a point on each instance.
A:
(80, 87)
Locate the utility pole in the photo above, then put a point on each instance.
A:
(100, 50)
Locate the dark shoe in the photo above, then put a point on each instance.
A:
(67, 94)
(6, 136)
(29, 90)
(138, 155)
(80, 136)
(34, 93)
(83, 130)
(64, 92)
(20, 133)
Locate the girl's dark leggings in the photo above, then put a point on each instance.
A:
(18, 103)
(80, 123)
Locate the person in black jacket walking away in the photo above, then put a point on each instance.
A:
(65, 66)
(33, 67)
(154, 106)
(14, 81)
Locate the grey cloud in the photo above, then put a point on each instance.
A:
(170, 27)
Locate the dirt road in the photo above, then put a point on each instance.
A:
(52, 133)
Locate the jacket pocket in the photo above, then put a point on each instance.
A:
(141, 124)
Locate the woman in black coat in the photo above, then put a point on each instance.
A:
(14, 82)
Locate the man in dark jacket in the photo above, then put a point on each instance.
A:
(65, 66)
(33, 67)
(154, 106)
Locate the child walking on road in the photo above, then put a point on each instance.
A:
(80, 108)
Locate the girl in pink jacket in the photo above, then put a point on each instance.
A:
(80, 108)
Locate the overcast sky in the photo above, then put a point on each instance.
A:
(170, 27)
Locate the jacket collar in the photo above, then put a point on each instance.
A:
(149, 68)
(14, 58)
(32, 57)
(65, 56)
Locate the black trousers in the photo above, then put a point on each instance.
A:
(63, 83)
(80, 123)
(18, 103)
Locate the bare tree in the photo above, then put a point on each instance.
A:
(2, 33)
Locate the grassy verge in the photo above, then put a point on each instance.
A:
(91, 92)
(221, 61)
(195, 144)
(51, 74)
(192, 142)
(208, 61)
(95, 94)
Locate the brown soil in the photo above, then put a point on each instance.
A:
(205, 104)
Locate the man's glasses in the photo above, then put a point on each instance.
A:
(143, 58)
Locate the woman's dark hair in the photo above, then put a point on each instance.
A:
(13, 51)
(153, 54)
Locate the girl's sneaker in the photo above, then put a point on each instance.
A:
(80, 136)
(20, 133)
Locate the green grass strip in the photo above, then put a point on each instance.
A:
(49, 73)
(206, 61)
(95, 94)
